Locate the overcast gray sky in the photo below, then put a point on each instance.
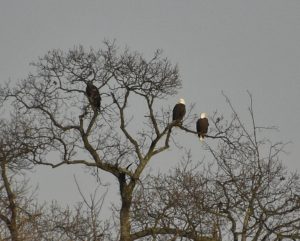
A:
(230, 46)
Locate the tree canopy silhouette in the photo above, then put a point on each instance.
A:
(246, 196)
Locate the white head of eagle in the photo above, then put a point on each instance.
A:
(181, 101)
(202, 115)
(179, 111)
(202, 126)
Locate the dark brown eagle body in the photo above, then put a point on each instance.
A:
(202, 126)
(93, 95)
(179, 111)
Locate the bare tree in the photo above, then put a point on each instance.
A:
(260, 199)
(118, 139)
(79, 223)
(244, 193)
(175, 206)
(17, 208)
(21, 217)
(54, 98)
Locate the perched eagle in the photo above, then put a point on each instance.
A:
(179, 111)
(93, 95)
(202, 126)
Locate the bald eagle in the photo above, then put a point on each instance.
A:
(93, 95)
(202, 126)
(179, 111)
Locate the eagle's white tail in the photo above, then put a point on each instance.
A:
(201, 138)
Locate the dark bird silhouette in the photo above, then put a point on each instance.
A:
(93, 95)
(179, 111)
(202, 126)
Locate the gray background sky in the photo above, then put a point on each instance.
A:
(229, 46)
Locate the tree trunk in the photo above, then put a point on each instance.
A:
(126, 199)
(125, 221)
(14, 233)
(12, 224)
